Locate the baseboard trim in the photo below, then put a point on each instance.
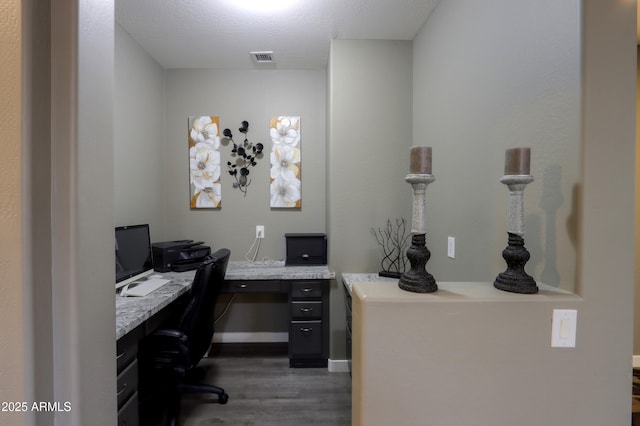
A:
(333, 365)
(338, 366)
(258, 337)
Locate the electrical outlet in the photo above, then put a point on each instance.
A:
(259, 231)
(451, 247)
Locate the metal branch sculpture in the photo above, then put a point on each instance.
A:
(246, 155)
(394, 242)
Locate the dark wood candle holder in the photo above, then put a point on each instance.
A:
(417, 279)
(514, 279)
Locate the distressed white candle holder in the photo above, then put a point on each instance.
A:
(514, 279)
(417, 279)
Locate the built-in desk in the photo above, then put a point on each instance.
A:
(348, 279)
(307, 288)
(308, 293)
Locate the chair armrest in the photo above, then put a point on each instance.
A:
(165, 332)
(168, 349)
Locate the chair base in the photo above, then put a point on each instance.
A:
(185, 388)
(169, 401)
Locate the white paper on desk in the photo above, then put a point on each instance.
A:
(143, 288)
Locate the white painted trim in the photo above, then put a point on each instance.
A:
(338, 366)
(636, 361)
(258, 337)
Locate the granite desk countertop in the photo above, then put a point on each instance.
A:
(349, 278)
(276, 270)
(133, 311)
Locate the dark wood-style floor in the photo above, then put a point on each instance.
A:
(264, 391)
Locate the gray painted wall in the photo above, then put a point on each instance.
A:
(636, 322)
(366, 172)
(234, 96)
(138, 135)
(490, 76)
(523, 77)
(151, 160)
(605, 274)
(255, 96)
(151, 181)
(83, 313)
(37, 141)
(575, 88)
(370, 135)
(368, 157)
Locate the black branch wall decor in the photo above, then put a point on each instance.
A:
(246, 155)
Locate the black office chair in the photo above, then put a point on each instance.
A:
(168, 356)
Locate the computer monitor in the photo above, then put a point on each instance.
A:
(133, 253)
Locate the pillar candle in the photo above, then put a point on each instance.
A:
(517, 161)
(420, 160)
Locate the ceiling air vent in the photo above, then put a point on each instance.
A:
(262, 57)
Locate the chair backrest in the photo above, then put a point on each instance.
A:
(197, 321)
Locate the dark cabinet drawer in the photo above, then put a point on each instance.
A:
(348, 309)
(252, 286)
(306, 290)
(127, 382)
(305, 339)
(127, 348)
(128, 414)
(306, 310)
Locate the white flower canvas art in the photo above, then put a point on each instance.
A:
(204, 162)
(285, 162)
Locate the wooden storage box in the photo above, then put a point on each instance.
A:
(306, 249)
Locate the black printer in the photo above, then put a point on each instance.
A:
(179, 256)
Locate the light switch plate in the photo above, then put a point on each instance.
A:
(563, 328)
(451, 247)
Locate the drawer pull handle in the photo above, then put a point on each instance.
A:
(120, 356)
(306, 290)
(305, 256)
(124, 386)
(306, 310)
(241, 286)
(306, 329)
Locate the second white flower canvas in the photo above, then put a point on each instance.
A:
(285, 162)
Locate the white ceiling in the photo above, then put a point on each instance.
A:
(220, 34)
